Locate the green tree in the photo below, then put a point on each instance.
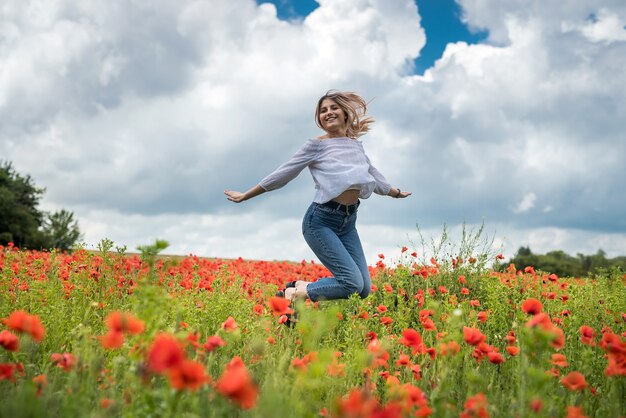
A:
(19, 217)
(60, 230)
(22, 223)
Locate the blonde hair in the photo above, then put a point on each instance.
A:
(354, 106)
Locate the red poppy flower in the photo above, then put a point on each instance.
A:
(40, 381)
(65, 361)
(482, 316)
(575, 412)
(574, 381)
(411, 338)
(9, 341)
(512, 350)
(473, 336)
(279, 306)
(165, 353)
(112, 340)
(381, 308)
(559, 360)
(6, 371)
(495, 357)
(587, 335)
(536, 405)
(188, 374)
(532, 306)
(475, 406)
(24, 322)
(123, 322)
(541, 319)
(213, 342)
(358, 403)
(385, 320)
(230, 324)
(403, 360)
(236, 384)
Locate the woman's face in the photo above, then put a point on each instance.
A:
(332, 118)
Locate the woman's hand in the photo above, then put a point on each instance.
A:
(234, 196)
(398, 194)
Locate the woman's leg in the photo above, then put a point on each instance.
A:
(352, 243)
(322, 229)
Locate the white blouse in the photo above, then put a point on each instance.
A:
(336, 164)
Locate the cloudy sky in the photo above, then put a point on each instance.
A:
(137, 114)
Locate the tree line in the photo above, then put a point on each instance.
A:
(564, 265)
(23, 223)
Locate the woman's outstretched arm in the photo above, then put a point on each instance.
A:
(239, 197)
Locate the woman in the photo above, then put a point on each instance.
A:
(342, 174)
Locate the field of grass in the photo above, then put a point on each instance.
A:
(98, 334)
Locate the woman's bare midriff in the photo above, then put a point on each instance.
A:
(349, 197)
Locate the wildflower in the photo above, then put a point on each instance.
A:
(165, 353)
(536, 405)
(123, 322)
(411, 338)
(574, 381)
(587, 335)
(451, 348)
(23, 322)
(482, 316)
(385, 320)
(106, 402)
(213, 342)
(381, 309)
(531, 306)
(230, 324)
(237, 384)
(65, 361)
(473, 336)
(6, 371)
(188, 374)
(403, 360)
(279, 306)
(476, 406)
(298, 363)
(575, 412)
(258, 309)
(9, 341)
(112, 340)
(358, 403)
(336, 369)
(40, 381)
(559, 360)
(512, 350)
(495, 357)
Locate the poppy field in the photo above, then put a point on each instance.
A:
(106, 334)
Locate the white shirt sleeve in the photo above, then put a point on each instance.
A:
(291, 168)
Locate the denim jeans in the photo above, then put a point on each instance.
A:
(331, 234)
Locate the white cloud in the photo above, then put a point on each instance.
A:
(526, 203)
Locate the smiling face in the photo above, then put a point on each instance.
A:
(332, 118)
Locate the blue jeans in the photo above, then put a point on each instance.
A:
(331, 234)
